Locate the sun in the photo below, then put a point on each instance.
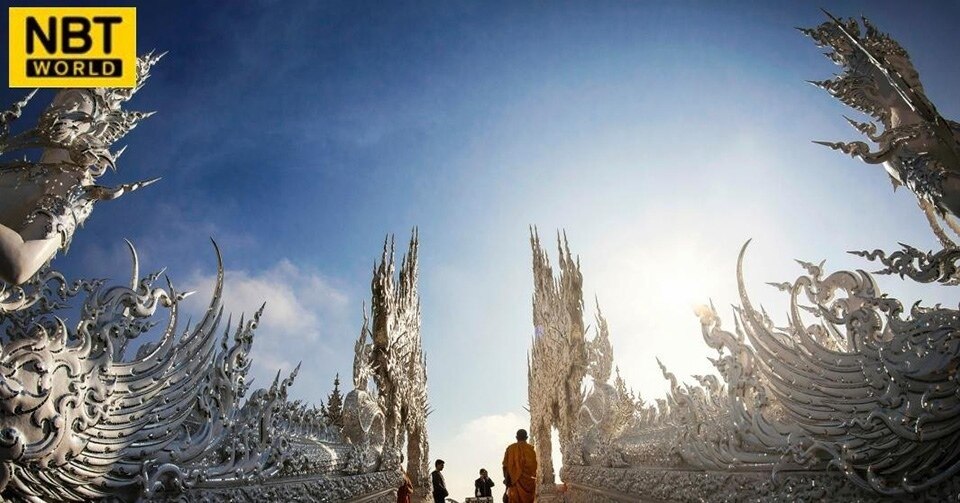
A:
(682, 278)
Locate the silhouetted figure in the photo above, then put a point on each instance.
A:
(439, 485)
(520, 470)
(405, 491)
(481, 486)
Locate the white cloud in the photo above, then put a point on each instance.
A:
(479, 443)
(306, 319)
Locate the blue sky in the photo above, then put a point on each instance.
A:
(660, 136)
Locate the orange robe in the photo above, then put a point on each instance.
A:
(520, 463)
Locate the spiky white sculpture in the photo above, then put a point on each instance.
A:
(854, 400)
(43, 203)
(394, 358)
(81, 418)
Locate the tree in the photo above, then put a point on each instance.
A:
(334, 408)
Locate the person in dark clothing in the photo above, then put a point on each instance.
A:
(439, 485)
(481, 486)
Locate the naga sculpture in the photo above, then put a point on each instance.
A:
(856, 398)
(113, 406)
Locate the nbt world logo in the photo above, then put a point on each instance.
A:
(73, 47)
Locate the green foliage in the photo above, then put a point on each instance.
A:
(334, 408)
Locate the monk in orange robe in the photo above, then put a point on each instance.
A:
(520, 470)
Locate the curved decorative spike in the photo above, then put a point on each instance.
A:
(100, 193)
(135, 262)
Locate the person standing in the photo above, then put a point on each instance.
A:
(481, 486)
(440, 492)
(520, 470)
(405, 491)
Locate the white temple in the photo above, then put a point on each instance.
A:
(856, 399)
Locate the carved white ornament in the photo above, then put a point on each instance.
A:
(854, 399)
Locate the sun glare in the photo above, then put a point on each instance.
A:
(681, 278)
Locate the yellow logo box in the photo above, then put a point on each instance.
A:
(73, 46)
